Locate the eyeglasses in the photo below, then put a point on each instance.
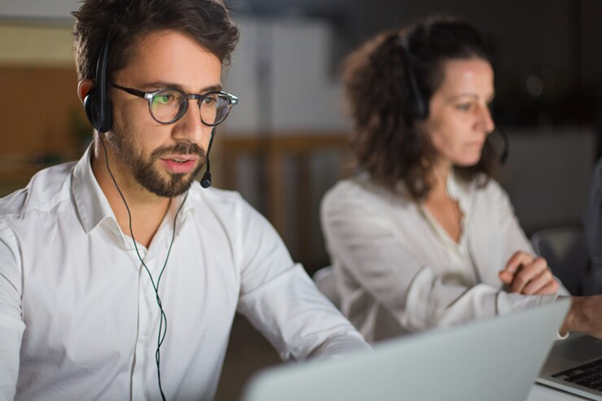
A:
(169, 105)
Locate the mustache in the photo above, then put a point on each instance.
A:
(181, 148)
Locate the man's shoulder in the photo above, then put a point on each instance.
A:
(217, 195)
(227, 207)
(46, 188)
(216, 198)
(219, 202)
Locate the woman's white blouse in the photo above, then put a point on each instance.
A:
(397, 271)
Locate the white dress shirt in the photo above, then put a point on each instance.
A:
(78, 314)
(397, 271)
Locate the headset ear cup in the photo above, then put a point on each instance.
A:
(420, 108)
(90, 108)
(107, 119)
(91, 105)
(417, 109)
(96, 103)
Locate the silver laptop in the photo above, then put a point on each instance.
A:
(489, 359)
(575, 365)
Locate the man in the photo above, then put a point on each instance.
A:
(119, 275)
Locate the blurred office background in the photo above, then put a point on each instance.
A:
(285, 144)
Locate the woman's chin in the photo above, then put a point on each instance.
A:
(469, 160)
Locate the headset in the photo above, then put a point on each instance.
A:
(97, 104)
(420, 108)
(418, 105)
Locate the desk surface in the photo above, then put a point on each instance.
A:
(543, 393)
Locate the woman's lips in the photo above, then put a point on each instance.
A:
(475, 144)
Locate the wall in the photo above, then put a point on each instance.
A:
(281, 73)
(43, 120)
(548, 175)
(41, 10)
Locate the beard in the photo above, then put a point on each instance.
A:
(145, 170)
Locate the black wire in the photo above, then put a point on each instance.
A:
(163, 318)
(209, 148)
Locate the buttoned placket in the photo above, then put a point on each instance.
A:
(144, 370)
(144, 381)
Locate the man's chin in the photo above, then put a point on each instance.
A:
(171, 191)
(167, 185)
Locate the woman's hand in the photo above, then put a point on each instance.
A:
(528, 275)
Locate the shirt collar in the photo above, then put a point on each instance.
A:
(460, 190)
(93, 206)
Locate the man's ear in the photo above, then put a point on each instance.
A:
(83, 88)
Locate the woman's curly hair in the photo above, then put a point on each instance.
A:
(386, 140)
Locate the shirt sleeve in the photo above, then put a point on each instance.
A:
(513, 236)
(11, 323)
(282, 302)
(365, 243)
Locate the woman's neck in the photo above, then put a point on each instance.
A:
(445, 210)
(438, 178)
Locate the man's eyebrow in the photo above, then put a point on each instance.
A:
(217, 87)
(164, 84)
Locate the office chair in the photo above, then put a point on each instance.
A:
(565, 251)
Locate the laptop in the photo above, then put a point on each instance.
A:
(575, 365)
(495, 358)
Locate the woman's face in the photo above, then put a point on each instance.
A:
(459, 118)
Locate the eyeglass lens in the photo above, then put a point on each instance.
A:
(169, 105)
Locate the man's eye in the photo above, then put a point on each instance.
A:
(164, 98)
(210, 100)
(463, 106)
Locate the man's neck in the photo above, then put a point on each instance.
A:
(147, 209)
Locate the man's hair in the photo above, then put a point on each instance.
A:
(123, 22)
(386, 141)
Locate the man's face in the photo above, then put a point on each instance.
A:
(163, 159)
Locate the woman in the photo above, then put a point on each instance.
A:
(425, 237)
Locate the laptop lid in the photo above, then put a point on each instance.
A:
(495, 358)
